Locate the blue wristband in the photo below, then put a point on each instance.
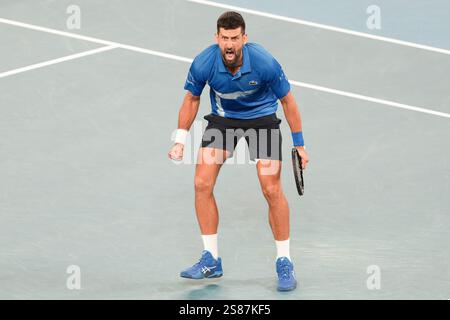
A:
(297, 137)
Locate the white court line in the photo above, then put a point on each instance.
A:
(370, 99)
(184, 59)
(320, 26)
(91, 39)
(55, 61)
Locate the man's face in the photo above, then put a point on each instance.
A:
(230, 43)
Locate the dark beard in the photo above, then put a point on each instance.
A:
(235, 63)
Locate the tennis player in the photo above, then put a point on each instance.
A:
(245, 83)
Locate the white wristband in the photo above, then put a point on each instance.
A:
(180, 136)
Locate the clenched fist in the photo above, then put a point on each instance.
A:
(176, 152)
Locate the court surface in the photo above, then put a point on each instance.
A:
(86, 117)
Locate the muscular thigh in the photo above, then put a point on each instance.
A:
(209, 162)
(269, 171)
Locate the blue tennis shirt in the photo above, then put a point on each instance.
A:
(251, 93)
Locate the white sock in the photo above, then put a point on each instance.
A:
(283, 249)
(210, 244)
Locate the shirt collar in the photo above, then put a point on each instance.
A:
(246, 65)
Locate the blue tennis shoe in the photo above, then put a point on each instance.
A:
(207, 267)
(286, 275)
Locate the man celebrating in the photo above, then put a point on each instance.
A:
(246, 83)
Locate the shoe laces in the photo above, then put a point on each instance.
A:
(200, 263)
(285, 271)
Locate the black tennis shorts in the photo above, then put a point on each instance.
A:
(263, 135)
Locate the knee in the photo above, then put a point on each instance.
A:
(203, 186)
(272, 192)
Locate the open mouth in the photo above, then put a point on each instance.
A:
(229, 54)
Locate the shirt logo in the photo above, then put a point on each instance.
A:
(253, 83)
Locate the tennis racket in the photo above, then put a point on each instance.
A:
(298, 171)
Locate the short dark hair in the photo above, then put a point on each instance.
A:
(231, 20)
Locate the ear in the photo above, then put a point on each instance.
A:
(216, 37)
(245, 38)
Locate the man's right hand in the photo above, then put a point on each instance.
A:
(176, 152)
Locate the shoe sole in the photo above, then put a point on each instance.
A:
(287, 289)
(214, 275)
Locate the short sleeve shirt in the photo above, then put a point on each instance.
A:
(251, 93)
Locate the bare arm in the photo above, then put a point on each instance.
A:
(291, 112)
(294, 119)
(186, 115)
(188, 111)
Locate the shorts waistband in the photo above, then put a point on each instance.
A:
(270, 121)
